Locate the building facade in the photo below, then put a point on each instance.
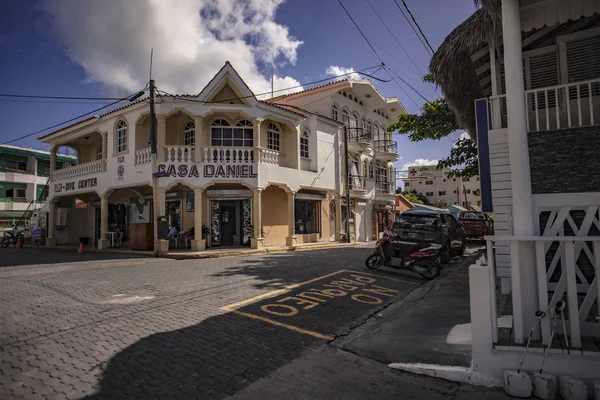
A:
(234, 171)
(532, 96)
(366, 114)
(24, 176)
(440, 189)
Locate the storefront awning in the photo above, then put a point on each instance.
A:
(310, 196)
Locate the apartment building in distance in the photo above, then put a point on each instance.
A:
(440, 189)
(23, 177)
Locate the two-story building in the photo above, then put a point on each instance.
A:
(366, 114)
(23, 179)
(235, 171)
(523, 76)
(441, 189)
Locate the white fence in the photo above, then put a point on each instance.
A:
(229, 155)
(270, 157)
(555, 107)
(179, 154)
(91, 168)
(557, 276)
(143, 157)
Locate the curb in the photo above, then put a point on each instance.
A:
(191, 256)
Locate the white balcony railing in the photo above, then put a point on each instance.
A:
(571, 105)
(179, 154)
(91, 168)
(268, 156)
(143, 157)
(229, 155)
(567, 269)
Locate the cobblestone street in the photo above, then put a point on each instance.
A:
(117, 327)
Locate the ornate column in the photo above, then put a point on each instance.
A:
(161, 137)
(50, 240)
(522, 255)
(291, 240)
(104, 145)
(257, 239)
(198, 244)
(198, 121)
(104, 242)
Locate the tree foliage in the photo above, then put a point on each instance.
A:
(413, 198)
(435, 122)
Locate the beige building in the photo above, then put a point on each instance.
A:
(441, 189)
(235, 171)
(366, 114)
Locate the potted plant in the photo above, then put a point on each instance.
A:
(205, 232)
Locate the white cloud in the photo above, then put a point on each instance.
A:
(419, 162)
(335, 70)
(111, 40)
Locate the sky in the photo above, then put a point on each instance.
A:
(88, 48)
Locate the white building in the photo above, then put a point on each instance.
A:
(23, 177)
(440, 189)
(523, 76)
(236, 171)
(366, 113)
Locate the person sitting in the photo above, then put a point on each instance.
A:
(172, 232)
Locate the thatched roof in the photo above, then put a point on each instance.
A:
(452, 65)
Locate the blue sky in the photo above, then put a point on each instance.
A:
(78, 48)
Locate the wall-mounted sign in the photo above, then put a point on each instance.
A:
(120, 159)
(69, 186)
(120, 172)
(229, 171)
(208, 171)
(421, 170)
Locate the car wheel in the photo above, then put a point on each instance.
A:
(446, 253)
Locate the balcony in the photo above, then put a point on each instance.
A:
(357, 185)
(386, 150)
(359, 140)
(384, 189)
(551, 108)
(77, 171)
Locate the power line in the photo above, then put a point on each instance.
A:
(73, 119)
(58, 97)
(430, 51)
(417, 24)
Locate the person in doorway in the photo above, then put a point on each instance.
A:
(172, 231)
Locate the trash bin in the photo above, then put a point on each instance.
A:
(162, 225)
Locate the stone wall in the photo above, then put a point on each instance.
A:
(565, 161)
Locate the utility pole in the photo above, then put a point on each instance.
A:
(153, 153)
(347, 169)
(465, 193)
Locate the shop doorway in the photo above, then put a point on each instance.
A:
(230, 222)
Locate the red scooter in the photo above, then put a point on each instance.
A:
(422, 258)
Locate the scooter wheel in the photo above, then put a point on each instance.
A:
(433, 271)
(4, 243)
(373, 261)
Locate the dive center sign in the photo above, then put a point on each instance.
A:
(69, 186)
(208, 171)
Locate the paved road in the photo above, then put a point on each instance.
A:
(118, 327)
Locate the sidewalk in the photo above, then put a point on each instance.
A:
(211, 253)
(414, 330)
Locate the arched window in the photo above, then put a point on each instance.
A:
(345, 118)
(364, 123)
(365, 167)
(223, 134)
(369, 129)
(121, 137)
(376, 131)
(273, 137)
(334, 112)
(99, 154)
(189, 134)
(304, 145)
(354, 120)
(371, 170)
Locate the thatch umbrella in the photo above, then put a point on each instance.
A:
(452, 66)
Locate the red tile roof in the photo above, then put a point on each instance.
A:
(308, 90)
(291, 108)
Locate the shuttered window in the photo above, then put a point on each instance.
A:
(543, 73)
(583, 64)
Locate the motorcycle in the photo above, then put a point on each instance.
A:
(422, 258)
(11, 237)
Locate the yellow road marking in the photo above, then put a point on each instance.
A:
(281, 324)
(279, 291)
(382, 276)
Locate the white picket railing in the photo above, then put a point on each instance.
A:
(570, 105)
(143, 157)
(572, 287)
(91, 168)
(229, 155)
(179, 154)
(268, 156)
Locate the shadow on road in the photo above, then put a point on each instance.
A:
(10, 257)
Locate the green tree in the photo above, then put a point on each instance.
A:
(413, 198)
(435, 122)
(477, 192)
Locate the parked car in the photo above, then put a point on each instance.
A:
(425, 226)
(476, 224)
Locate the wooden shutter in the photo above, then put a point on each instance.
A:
(583, 64)
(543, 73)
